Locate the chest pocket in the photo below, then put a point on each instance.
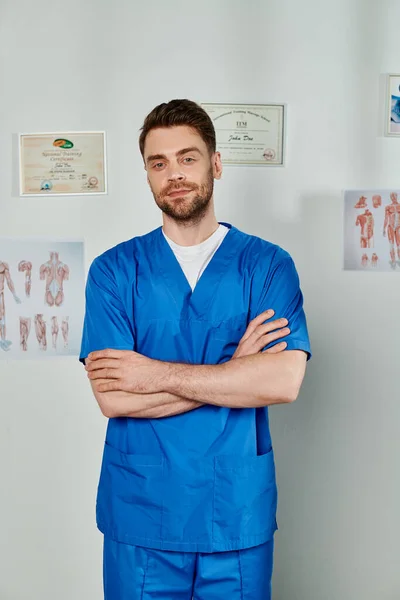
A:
(229, 333)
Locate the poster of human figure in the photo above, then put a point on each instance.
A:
(42, 289)
(372, 230)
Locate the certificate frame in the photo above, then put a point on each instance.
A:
(61, 135)
(392, 128)
(271, 157)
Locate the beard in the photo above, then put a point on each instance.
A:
(183, 209)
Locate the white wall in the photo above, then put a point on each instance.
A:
(94, 64)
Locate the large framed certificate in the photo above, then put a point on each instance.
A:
(66, 163)
(249, 134)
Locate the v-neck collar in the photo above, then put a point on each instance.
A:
(178, 286)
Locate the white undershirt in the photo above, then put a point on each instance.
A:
(194, 259)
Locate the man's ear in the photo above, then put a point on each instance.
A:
(217, 165)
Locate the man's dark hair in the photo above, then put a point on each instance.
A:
(180, 112)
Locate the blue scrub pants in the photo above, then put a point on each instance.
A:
(136, 573)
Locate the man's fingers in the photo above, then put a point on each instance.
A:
(260, 328)
(103, 374)
(108, 353)
(271, 326)
(110, 386)
(102, 363)
(263, 335)
(264, 316)
(275, 349)
(267, 314)
(268, 338)
(259, 343)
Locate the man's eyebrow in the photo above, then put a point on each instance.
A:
(156, 157)
(190, 149)
(179, 153)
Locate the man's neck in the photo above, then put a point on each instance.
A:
(190, 234)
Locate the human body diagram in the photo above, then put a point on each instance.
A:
(65, 330)
(40, 314)
(5, 277)
(391, 227)
(26, 267)
(24, 331)
(366, 223)
(54, 331)
(40, 329)
(376, 200)
(54, 272)
(372, 220)
(364, 260)
(361, 203)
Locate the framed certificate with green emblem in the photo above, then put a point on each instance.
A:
(66, 163)
(249, 134)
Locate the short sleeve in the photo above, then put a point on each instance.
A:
(106, 323)
(280, 291)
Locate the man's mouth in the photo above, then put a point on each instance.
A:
(176, 193)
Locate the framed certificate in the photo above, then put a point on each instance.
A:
(249, 134)
(393, 106)
(66, 163)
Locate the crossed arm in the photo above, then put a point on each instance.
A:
(126, 383)
(160, 389)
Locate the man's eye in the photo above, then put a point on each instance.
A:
(158, 165)
(189, 159)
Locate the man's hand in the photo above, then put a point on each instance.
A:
(259, 334)
(126, 371)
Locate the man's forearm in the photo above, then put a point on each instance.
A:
(141, 406)
(251, 381)
(171, 408)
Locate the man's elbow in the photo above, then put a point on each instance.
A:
(105, 402)
(292, 394)
(293, 389)
(294, 379)
(287, 394)
(108, 411)
(106, 407)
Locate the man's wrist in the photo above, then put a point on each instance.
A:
(196, 382)
(170, 376)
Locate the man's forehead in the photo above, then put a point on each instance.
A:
(169, 140)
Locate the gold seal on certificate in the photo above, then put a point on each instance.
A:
(249, 134)
(67, 163)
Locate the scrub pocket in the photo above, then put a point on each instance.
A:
(245, 496)
(129, 498)
(188, 501)
(227, 335)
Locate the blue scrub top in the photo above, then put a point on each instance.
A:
(202, 481)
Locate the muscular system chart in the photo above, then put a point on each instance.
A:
(54, 272)
(42, 286)
(372, 230)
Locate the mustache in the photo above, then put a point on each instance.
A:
(171, 188)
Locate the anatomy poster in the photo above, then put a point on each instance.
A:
(42, 287)
(372, 230)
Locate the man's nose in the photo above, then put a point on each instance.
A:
(175, 173)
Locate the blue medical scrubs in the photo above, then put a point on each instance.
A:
(201, 482)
